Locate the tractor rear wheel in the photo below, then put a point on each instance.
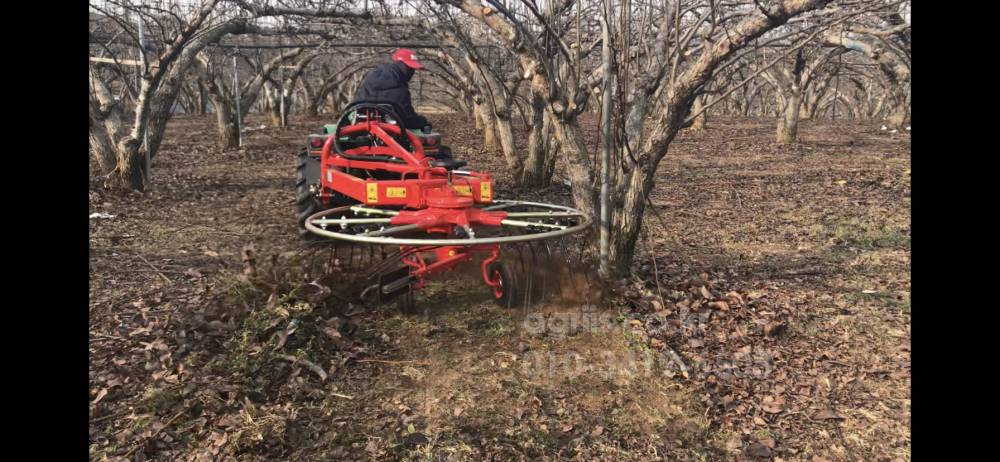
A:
(306, 202)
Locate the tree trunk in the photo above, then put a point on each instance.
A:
(228, 136)
(130, 172)
(227, 133)
(627, 219)
(102, 148)
(506, 138)
(202, 98)
(533, 174)
(312, 108)
(489, 126)
(316, 100)
(899, 114)
(571, 139)
(788, 126)
(273, 96)
(476, 114)
(811, 109)
(700, 121)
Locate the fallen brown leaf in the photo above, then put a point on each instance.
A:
(100, 395)
(719, 305)
(827, 414)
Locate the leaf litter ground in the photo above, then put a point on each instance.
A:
(768, 317)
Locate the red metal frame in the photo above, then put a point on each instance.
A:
(428, 196)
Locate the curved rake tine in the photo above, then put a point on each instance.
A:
(542, 214)
(527, 224)
(537, 269)
(527, 278)
(542, 268)
(351, 221)
(528, 255)
(498, 206)
(392, 230)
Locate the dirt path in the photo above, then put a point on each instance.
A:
(808, 247)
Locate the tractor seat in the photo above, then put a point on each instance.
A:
(448, 163)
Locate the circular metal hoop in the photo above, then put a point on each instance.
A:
(553, 211)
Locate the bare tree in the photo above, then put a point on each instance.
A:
(793, 83)
(123, 149)
(884, 38)
(219, 81)
(661, 76)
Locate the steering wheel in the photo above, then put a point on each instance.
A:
(386, 108)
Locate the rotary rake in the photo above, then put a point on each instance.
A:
(368, 182)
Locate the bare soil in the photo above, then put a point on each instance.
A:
(768, 318)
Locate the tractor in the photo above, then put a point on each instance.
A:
(368, 180)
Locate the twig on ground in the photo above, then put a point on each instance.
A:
(155, 269)
(96, 336)
(676, 359)
(305, 362)
(419, 363)
(110, 416)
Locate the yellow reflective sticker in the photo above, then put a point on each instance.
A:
(372, 189)
(485, 191)
(463, 190)
(395, 192)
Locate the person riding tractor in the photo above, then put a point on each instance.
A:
(389, 83)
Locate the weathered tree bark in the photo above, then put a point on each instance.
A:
(485, 115)
(227, 134)
(202, 97)
(505, 136)
(788, 127)
(476, 116)
(105, 127)
(702, 119)
(273, 96)
(533, 174)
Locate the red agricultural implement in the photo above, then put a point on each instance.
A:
(368, 180)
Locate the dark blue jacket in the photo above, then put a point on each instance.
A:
(390, 82)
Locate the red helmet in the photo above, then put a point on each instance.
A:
(408, 57)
